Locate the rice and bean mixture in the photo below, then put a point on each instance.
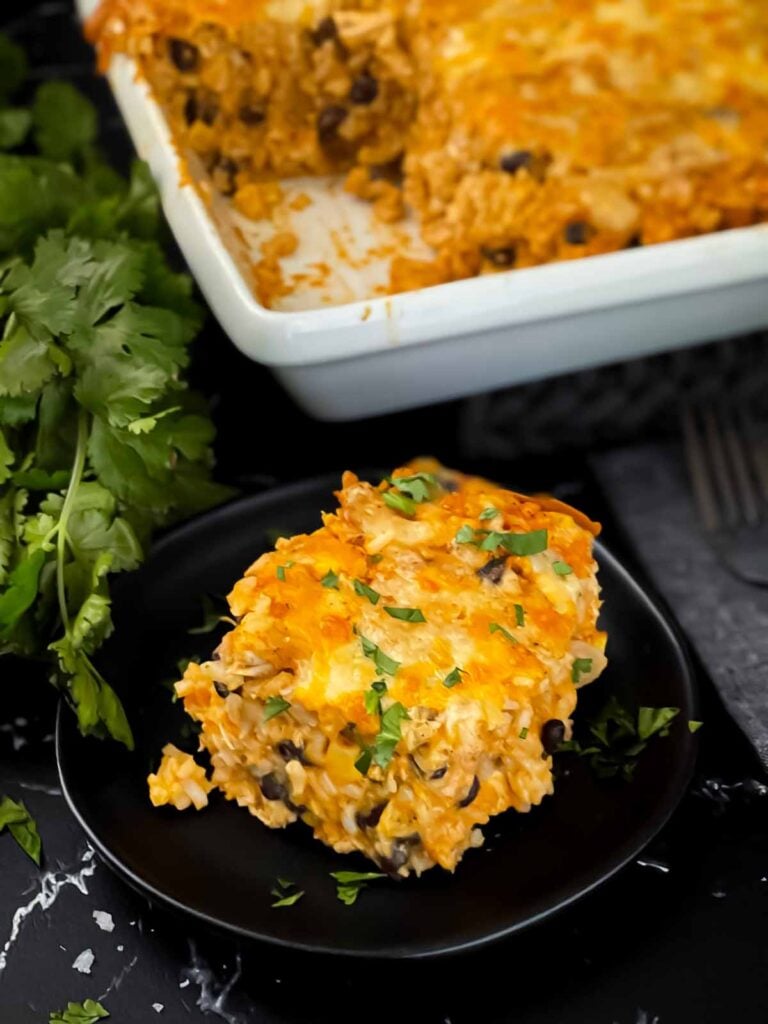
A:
(403, 673)
(519, 133)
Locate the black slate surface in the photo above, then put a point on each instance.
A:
(681, 937)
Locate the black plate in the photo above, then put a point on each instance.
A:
(221, 863)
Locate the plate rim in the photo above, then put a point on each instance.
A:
(623, 855)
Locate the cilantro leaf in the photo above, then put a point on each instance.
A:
(372, 697)
(389, 735)
(494, 627)
(562, 568)
(521, 544)
(15, 123)
(381, 660)
(489, 513)
(654, 720)
(419, 487)
(350, 883)
(88, 1012)
(21, 590)
(363, 590)
(399, 502)
(694, 726)
(519, 615)
(405, 614)
(65, 121)
(580, 667)
(274, 706)
(330, 580)
(286, 893)
(363, 763)
(20, 823)
(453, 677)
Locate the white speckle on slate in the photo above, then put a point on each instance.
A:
(158, 1007)
(104, 920)
(119, 948)
(20, 722)
(183, 984)
(84, 961)
(63, 947)
(18, 742)
(51, 885)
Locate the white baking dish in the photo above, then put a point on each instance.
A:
(378, 355)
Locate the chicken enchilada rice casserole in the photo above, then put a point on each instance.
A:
(402, 674)
(518, 133)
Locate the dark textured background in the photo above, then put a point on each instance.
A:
(683, 938)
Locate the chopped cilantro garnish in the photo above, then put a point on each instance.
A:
(365, 591)
(87, 1012)
(381, 660)
(286, 893)
(562, 568)
(521, 544)
(399, 502)
(420, 487)
(524, 732)
(694, 726)
(519, 615)
(614, 739)
(389, 735)
(349, 883)
(406, 614)
(372, 697)
(20, 823)
(274, 706)
(214, 613)
(496, 628)
(330, 580)
(363, 763)
(579, 667)
(453, 677)
(281, 570)
(489, 513)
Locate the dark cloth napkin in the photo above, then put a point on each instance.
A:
(725, 619)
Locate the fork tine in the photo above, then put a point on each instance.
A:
(701, 478)
(720, 470)
(745, 488)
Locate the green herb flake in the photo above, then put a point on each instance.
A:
(519, 615)
(419, 487)
(274, 706)
(281, 570)
(496, 628)
(520, 544)
(350, 883)
(405, 614)
(20, 823)
(400, 503)
(286, 893)
(453, 677)
(654, 720)
(88, 1012)
(363, 763)
(489, 513)
(580, 667)
(524, 733)
(562, 568)
(372, 697)
(384, 664)
(389, 735)
(694, 726)
(330, 580)
(363, 590)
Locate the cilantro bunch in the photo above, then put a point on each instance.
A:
(101, 441)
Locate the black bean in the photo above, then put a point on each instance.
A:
(201, 107)
(371, 819)
(634, 241)
(348, 733)
(513, 162)
(474, 789)
(251, 114)
(221, 689)
(290, 751)
(329, 121)
(552, 735)
(324, 31)
(190, 109)
(439, 773)
(416, 766)
(391, 171)
(365, 89)
(577, 232)
(493, 571)
(272, 788)
(184, 55)
(504, 257)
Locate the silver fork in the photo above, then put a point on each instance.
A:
(728, 466)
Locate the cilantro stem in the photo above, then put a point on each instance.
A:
(75, 479)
